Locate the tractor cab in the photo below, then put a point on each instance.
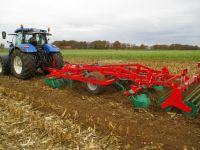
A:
(36, 37)
(31, 40)
(28, 52)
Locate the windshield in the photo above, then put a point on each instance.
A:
(36, 39)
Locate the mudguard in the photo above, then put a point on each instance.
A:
(29, 48)
(50, 48)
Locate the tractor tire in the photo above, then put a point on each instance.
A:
(4, 65)
(94, 88)
(57, 60)
(23, 65)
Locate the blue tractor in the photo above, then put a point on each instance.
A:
(29, 51)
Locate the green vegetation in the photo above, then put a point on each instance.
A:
(176, 55)
(3, 51)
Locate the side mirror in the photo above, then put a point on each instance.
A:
(4, 35)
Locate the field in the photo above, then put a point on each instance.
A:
(175, 60)
(71, 118)
(132, 55)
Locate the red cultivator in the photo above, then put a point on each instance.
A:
(133, 79)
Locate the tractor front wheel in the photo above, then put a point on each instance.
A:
(22, 64)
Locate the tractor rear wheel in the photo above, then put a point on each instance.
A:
(23, 64)
(94, 88)
(56, 60)
(4, 65)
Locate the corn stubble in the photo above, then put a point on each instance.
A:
(23, 127)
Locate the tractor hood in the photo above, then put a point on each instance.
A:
(50, 48)
(29, 48)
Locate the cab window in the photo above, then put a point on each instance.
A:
(41, 39)
(18, 39)
(28, 37)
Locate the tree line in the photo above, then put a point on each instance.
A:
(72, 44)
(99, 44)
(2, 45)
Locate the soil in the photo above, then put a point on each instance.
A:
(23, 127)
(113, 112)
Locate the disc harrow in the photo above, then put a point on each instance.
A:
(134, 80)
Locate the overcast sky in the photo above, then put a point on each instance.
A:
(134, 21)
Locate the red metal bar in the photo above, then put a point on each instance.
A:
(141, 74)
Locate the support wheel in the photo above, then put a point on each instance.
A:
(94, 88)
(22, 64)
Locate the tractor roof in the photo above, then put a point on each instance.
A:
(29, 30)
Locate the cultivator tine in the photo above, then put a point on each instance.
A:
(166, 95)
(123, 89)
(158, 88)
(54, 83)
(58, 83)
(140, 101)
(163, 99)
(68, 82)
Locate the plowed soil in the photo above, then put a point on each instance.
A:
(112, 112)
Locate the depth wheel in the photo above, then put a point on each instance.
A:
(94, 88)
